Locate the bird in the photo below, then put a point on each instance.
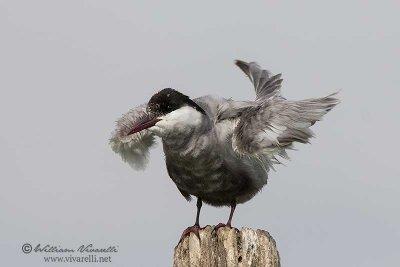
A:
(217, 149)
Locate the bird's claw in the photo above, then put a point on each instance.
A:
(220, 225)
(191, 229)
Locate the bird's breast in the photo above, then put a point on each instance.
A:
(206, 166)
(196, 165)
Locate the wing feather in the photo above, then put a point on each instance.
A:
(265, 85)
(278, 123)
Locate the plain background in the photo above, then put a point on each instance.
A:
(69, 69)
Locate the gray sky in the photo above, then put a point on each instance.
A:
(69, 69)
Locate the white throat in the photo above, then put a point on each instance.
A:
(178, 122)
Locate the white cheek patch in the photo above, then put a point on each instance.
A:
(179, 121)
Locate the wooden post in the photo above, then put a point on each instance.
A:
(227, 247)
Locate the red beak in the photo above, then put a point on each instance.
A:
(144, 125)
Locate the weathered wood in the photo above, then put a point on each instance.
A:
(227, 247)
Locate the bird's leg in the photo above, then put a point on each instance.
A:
(229, 223)
(233, 207)
(196, 227)
(198, 205)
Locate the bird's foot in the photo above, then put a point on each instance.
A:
(221, 225)
(191, 229)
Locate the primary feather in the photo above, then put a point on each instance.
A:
(265, 85)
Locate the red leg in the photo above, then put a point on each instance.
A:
(196, 227)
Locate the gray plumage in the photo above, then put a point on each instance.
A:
(218, 149)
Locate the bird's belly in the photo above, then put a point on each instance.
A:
(197, 176)
(211, 179)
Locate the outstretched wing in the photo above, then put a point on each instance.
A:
(268, 125)
(134, 148)
(277, 123)
(265, 85)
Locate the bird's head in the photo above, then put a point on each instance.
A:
(170, 112)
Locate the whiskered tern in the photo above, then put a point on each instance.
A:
(219, 150)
